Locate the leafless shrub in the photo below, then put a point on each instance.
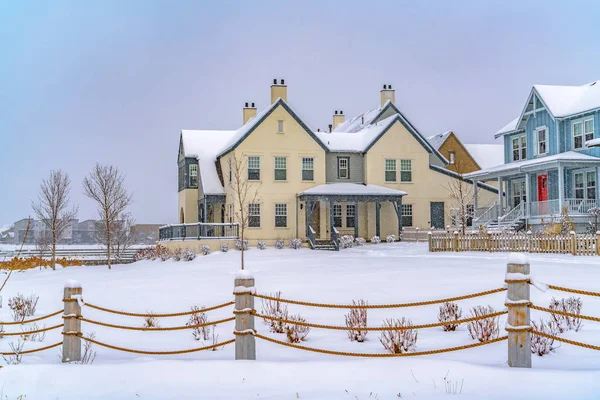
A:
(390, 238)
(261, 245)
(188, 255)
(151, 321)
(449, 312)
(2, 331)
(165, 254)
(296, 333)
(176, 254)
(89, 354)
(375, 240)
(295, 243)
(32, 337)
(16, 348)
(224, 247)
(356, 319)
(279, 244)
(571, 305)
(403, 339)
(204, 249)
(21, 306)
(453, 388)
(214, 338)
(198, 318)
(541, 345)
(275, 309)
(485, 329)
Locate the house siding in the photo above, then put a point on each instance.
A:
(357, 172)
(567, 133)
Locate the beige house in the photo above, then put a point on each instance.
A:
(368, 176)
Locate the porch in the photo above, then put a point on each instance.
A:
(326, 220)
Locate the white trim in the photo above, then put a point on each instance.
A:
(537, 140)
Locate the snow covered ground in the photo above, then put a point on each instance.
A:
(385, 273)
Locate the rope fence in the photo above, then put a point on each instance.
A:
(564, 313)
(32, 320)
(26, 333)
(12, 353)
(576, 291)
(156, 315)
(584, 345)
(168, 328)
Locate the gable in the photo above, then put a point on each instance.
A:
(181, 154)
(464, 161)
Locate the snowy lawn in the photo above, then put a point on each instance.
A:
(385, 273)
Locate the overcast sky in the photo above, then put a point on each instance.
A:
(115, 81)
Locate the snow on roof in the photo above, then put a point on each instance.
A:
(511, 126)
(205, 146)
(355, 141)
(438, 140)
(360, 121)
(564, 101)
(357, 189)
(572, 156)
(486, 155)
(593, 143)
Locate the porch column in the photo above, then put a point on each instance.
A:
(331, 217)
(356, 219)
(500, 193)
(474, 196)
(561, 187)
(398, 205)
(307, 216)
(597, 186)
(527, 195)
(377, 219)
(205, 205)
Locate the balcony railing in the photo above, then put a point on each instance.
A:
(552, 207)
(198, 231)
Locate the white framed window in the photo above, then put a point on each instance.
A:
(253, 168)
(582, 132)
(308, 169)
(390, 170)
(254, 215)
(519, 148)
(407, 215)
(343, 167)
(280, 168)
(405, 170)
(280, 126)
(350, 215)
(585, 185)
(452, 157)
(280, 215)
(231, 214)
(542, 140)
(194, 175)
(337, 215)
(230, 170)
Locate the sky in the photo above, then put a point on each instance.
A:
(115, 81)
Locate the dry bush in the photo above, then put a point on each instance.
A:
(32, 337)
(390, 238)
(295, 243)
(198, 318)
(176, 254)
(571, 305)
(148, 253)
(204, 250)
(296, 333)
(403, 339)
(375, 240)
(346, 241)
(360, 241)
(151, 322)
(16, 348)
(224, 247)
(188, 255)
(163, 253)
(485, 329)
(261, 245)
(541, 345)
(22, 264)
(449, 312)
(21, 306)
(279, 244)
(275, 309)
(356, 319)
(2, 331)
(89, 354)
(238, 244)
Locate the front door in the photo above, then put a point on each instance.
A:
(518, 192)
(315, 217)
(436, 209)
(542, 185)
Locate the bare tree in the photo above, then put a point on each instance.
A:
(43, 242)
(123, 234)
(106, 186)
(461, 193)
(245, 192)
(10, 270)
(53, 209)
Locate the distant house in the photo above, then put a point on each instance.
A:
(547, 165)
(86, 232)
(465, 158)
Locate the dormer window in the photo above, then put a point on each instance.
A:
(542, 141)
(582, 132)
(280, 126)
(193, 175)
(519, 148)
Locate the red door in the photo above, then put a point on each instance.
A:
(542, 194)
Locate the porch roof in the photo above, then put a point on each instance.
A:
(357, 191)
(567, 159)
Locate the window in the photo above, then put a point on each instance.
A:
(253, 168)
(405, 171)
(343, 167)
(582, 132)
(337, 215)
(230, 170)
(280, 169)
(407, 215)
(308, 169)
(519, 194)
(519, 148)
(452, 157)
(350, 215)
(231, 213)
(542, 141)
(470, 214)
(254, 215)
(585, 185)
(591, 185)
(193, 175)
(280, 215)
(390, 170)
(579, 186)
(280, 126)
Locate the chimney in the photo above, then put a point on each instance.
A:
(387, 93)
(249, 112)
(278, 90)
(330, 126)
(338, 118)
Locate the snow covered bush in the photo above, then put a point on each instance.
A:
(485, 329)
(295, 243)
(21, 306)
(148, 253)
(151, 322)
(390, 238)
(176, 254)
(541, 345)
(360, 241)
(279, 244)
(188, 255)
(17, 349)
(204, 249)
(355, 320)
(275, 309)
(199, 318)
(224, 247)
(296, 333)
(261, 245)
(238, 244)
(570, 305)
(401, 339)
(2, 331)
(164, 254)
(375, 240)
(32, 337)
(449, 312)
(346, 241)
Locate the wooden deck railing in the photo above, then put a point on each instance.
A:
(575, 244)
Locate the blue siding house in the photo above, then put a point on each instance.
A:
(550, 162)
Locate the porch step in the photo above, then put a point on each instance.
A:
(324, 247)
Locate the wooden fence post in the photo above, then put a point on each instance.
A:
(529, 235)
(489, 242)
(429, 240)
(455, 241)
(573, 243)
(245, 345)
(517, 302)
(598, 243)
(71, 348)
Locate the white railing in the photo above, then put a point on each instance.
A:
(513, 215)
(544, 208)
(580, 206)
(485, 216)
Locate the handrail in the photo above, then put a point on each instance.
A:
(513, 215)
(488, 215)
(335, 237)
(312, 235)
